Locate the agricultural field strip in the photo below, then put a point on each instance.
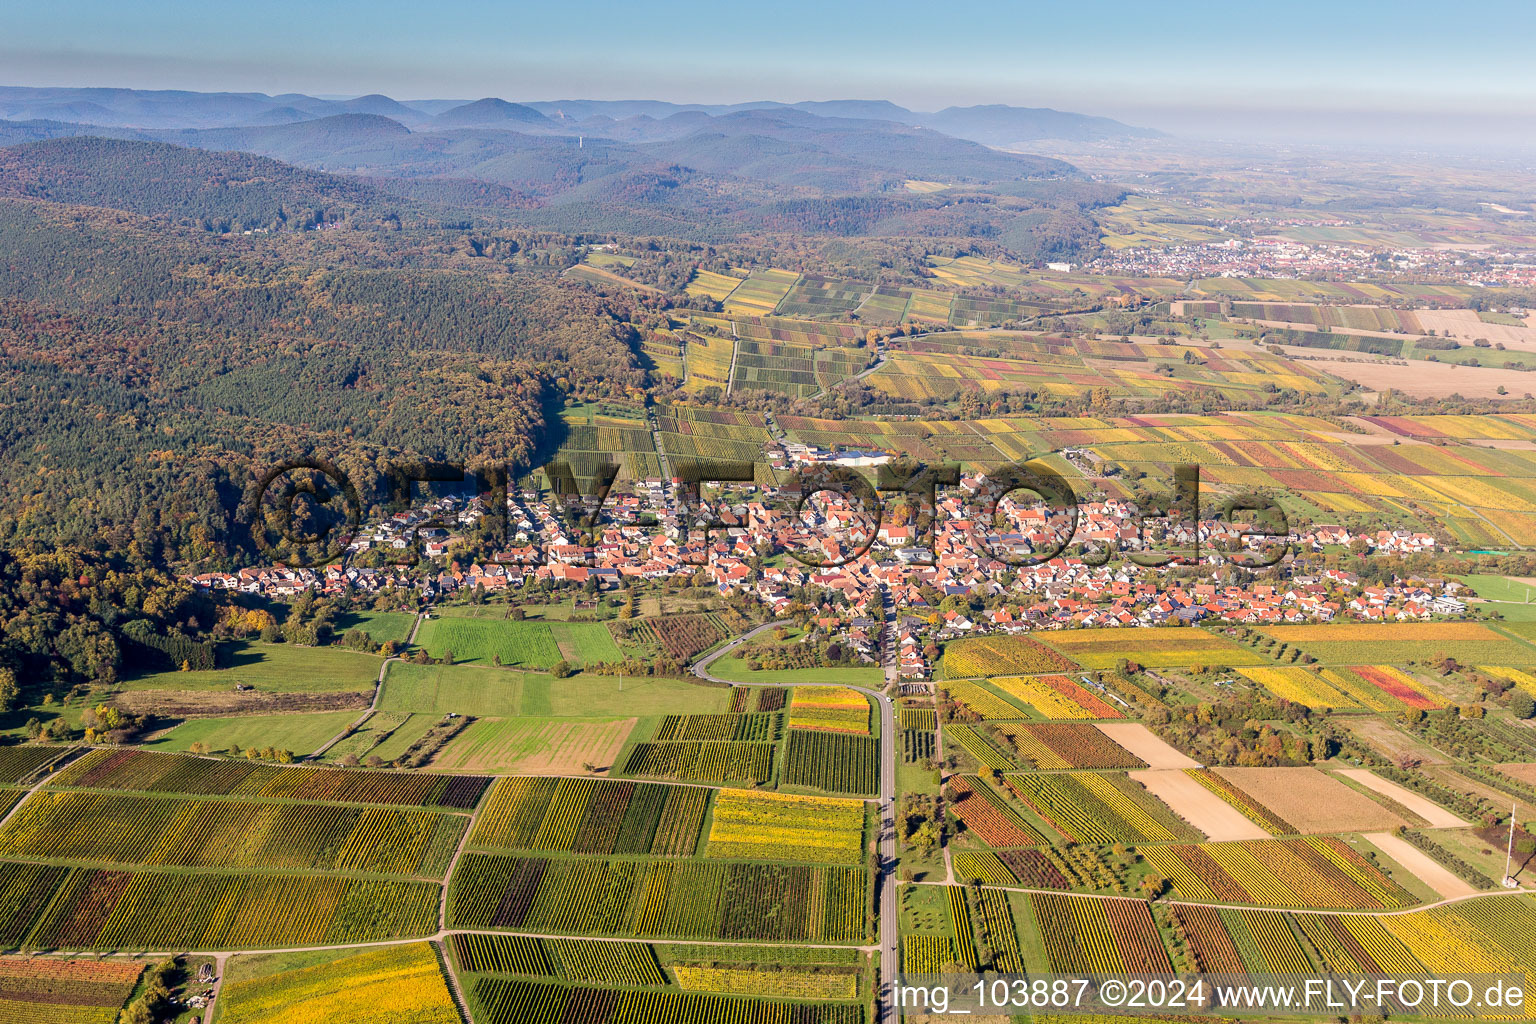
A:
(1435, 815)
(246, 798)
(39, 784)
(173, 844)
(1166, 901)
(887, 914)
(443, 934)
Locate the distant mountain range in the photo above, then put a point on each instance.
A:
(994, 125)
(636, 167)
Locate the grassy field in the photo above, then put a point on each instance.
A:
(475, 637)
(464, 689)
(399, 741)
(378, 727)
(386, 735)
(298, 733)
(381, 626)
(585, 643)
(498, 693)
(1513, 600)
(736, 670)
(615, 695)
(1501, 589)
(480, 641)
(282, 668)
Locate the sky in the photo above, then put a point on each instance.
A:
(1168, 65)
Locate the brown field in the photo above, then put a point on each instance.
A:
(1199, 806)
(531, 746)
(1311, 800)
(1525, 773)
(1525, 809)
(1433, 813)
(1389, 742)
(1464, 326)
(1431, 380)
(1421, 865)
(1145, 744)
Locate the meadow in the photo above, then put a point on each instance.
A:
(280, 668)
(380, 626)
(738, 671)
(525, 644)
(500, 693)
(460, 689)
(300, 733)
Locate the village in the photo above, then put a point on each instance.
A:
(1280, 258)
(900, 582)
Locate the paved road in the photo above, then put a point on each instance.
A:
(378, 689)
(890, 943)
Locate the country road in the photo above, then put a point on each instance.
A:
(378, 690)
(890, 942)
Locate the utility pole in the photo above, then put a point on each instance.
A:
(1509, 851)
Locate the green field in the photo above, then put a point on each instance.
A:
(629, 695)
(281, 668)
(412, 729)
(1513, 600)
(386, 735)
(585, 643)
(378, 727)
(1501, 589)
(437, 690)
(478, 641)
(299, 733)
(381, 626)
(498, 693)
(736, 670)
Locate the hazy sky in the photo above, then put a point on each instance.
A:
(1152, 63)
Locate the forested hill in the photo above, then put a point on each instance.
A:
(145, 367)
(216, 191)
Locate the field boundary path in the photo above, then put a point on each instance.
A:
(378, 691)
(442, 903)
(885, 875)
(43, 779)
(661, 452)
(730, 376)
